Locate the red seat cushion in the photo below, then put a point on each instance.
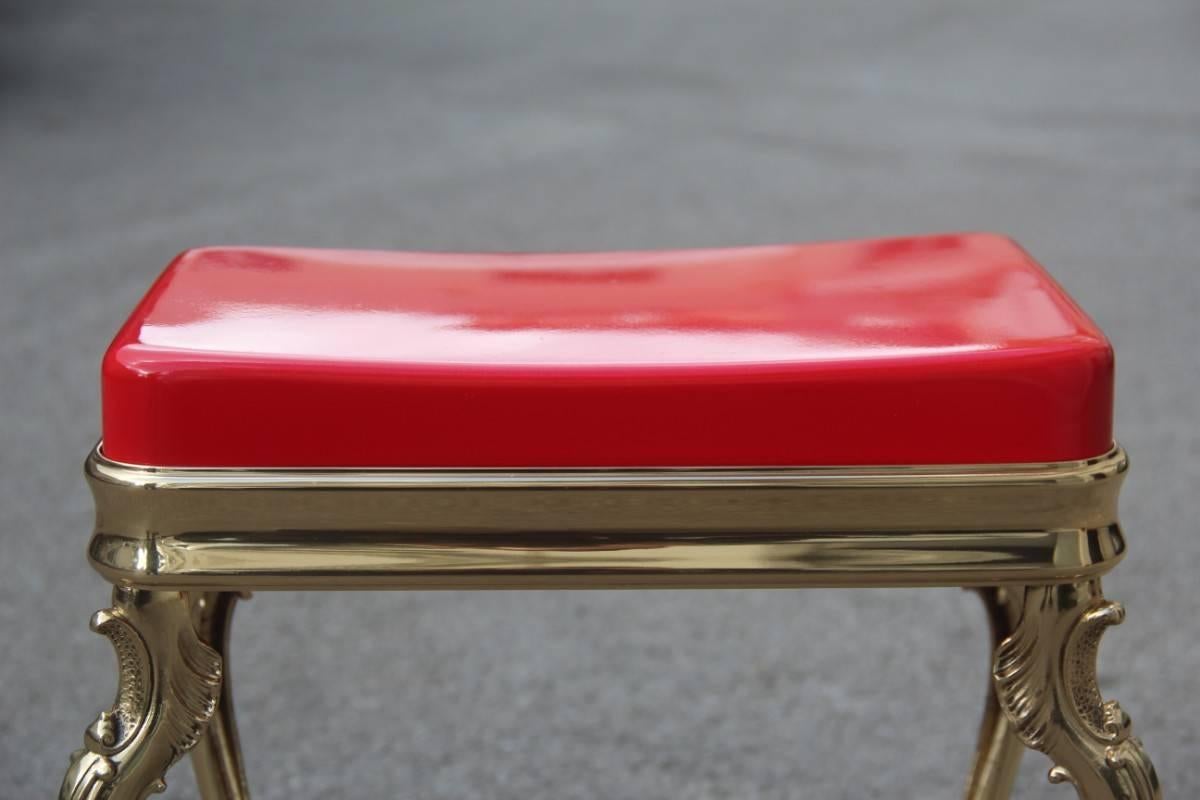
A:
(930, 350)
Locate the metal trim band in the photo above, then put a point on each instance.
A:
(575, 528)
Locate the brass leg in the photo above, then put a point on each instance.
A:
(1045, 676)
(167, 690)
(998, 751)
(217, 759)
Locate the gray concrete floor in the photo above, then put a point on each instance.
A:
(131, 130)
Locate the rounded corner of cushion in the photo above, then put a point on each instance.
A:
(120, 362)
(191, 255)
(992, 237)
(127, 379)
(1102, 350)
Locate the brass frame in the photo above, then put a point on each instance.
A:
(240, 529)
(179, 543)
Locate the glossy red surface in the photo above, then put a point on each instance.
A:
(938, 349)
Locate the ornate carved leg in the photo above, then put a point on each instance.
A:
(167, 689)
(1045, 676)
(217, 759)
(998, 751)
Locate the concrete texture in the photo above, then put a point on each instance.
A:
(131, 130)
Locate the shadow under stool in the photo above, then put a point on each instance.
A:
(928, 411)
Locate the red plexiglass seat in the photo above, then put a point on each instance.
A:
(943, 349)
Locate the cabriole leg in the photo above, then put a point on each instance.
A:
(1045, 677)
(167, 689)
(217, 759)
(998, 751)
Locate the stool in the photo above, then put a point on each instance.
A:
(930, 411)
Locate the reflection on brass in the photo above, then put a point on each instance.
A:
(182, 544)
(890, 526)
(168, 682)
(1045, 676)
